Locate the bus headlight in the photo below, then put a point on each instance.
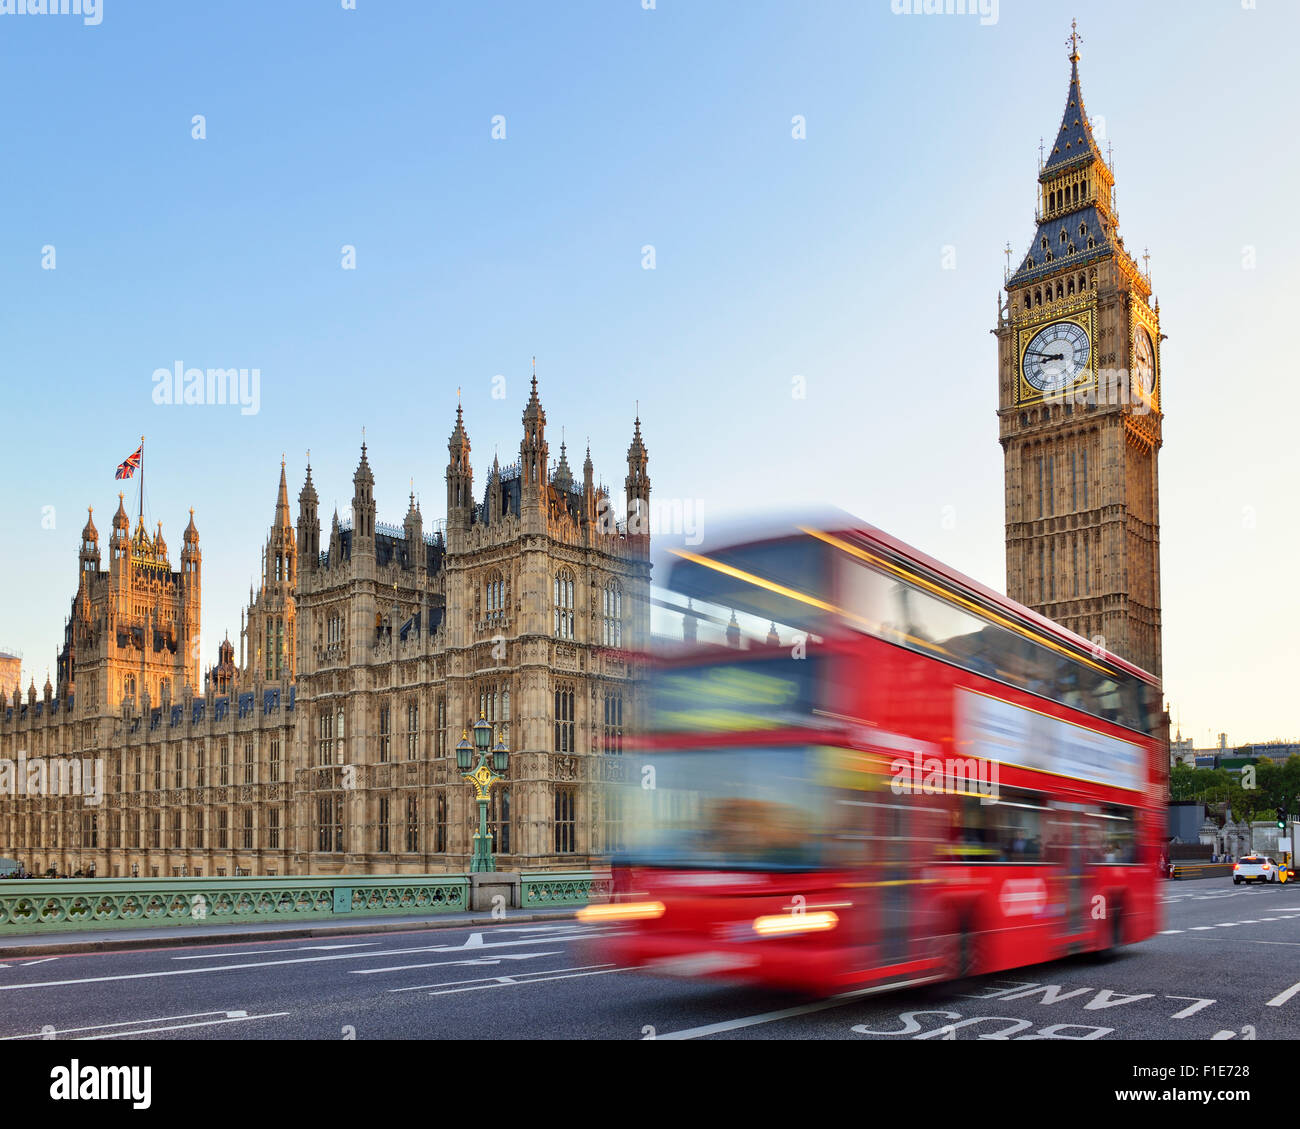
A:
(620, 911)
(786, 924)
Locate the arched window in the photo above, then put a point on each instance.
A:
(564, 604)
(613, 614)
(495, 597)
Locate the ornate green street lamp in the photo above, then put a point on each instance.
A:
(482, 777)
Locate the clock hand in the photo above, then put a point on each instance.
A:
(1047, 356)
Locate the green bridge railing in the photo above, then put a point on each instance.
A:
(575, 888)
(47, 905)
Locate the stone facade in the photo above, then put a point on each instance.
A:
(329, 747)
(1079, 386)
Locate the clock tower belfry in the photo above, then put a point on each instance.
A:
(1079, 414)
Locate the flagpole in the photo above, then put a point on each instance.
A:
(141, 479)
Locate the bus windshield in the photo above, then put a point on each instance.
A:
(734, 808)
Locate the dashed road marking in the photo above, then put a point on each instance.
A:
(1282, 997)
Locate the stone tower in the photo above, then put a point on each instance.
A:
(1079, 408)
(133, 631)
(268, 634)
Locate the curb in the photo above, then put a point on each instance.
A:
(54, 948)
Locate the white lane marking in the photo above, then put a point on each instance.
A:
(42, 960)
(273, 952)
(1165, 932)
(125, 1023)
(1292, 943)
(257, 964)
(791, 1012)
(450, 963)
(538, 978)
(1225, 925)
(1282, 997)
(499, 979)
(183, 1026)
(1201, 1002)
(1202, 927)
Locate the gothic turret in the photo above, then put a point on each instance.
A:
(309, 524)
(413, 527)
(363, 507)
(533, 449)
(637, 485)
(89, 557)
(460, 478)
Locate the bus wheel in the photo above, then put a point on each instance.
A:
(1111, 950)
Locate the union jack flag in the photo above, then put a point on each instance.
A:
(128, 468)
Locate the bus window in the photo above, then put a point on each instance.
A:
(1116, 838)
(1007, 830)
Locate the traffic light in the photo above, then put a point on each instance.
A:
(1281, 819)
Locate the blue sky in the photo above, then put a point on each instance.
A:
(774, 258)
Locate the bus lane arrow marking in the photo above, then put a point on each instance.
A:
(1201, 1003)
(1106, 998)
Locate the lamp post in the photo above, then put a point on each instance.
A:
(482, 777)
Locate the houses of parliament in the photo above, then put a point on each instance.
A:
(328, 744)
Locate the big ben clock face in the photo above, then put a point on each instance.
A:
(1144, 362)
(1056, 357)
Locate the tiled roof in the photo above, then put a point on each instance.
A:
(1074, 140)
(1094, 225)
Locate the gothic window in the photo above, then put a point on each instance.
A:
(613, 731)
(1074, 567)
(613, 614)
(565, 805)
(441, 749)
(564, 604)
(1044, 242)
(1051, 571)
(223, 829)
(494, 601)
(223, 764)
(1027, 301)
(385, 845)
(385, 732)
(1063, 236)
(247, 837)
(250, 766)
(339, 733)
(325, 734)
(412, 824)
(1038, 297)
(273, 829)
(274, 772)
(200, 768)
(440, 821)
(564, 725)
(1069, 289)
(412, 729)
(1083, 230)
(1041, 498)
(1084, 476)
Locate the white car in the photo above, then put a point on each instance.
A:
(1256, 868)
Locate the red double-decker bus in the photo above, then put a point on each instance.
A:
(864, 769)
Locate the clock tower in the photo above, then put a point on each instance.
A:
(1079, 414)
